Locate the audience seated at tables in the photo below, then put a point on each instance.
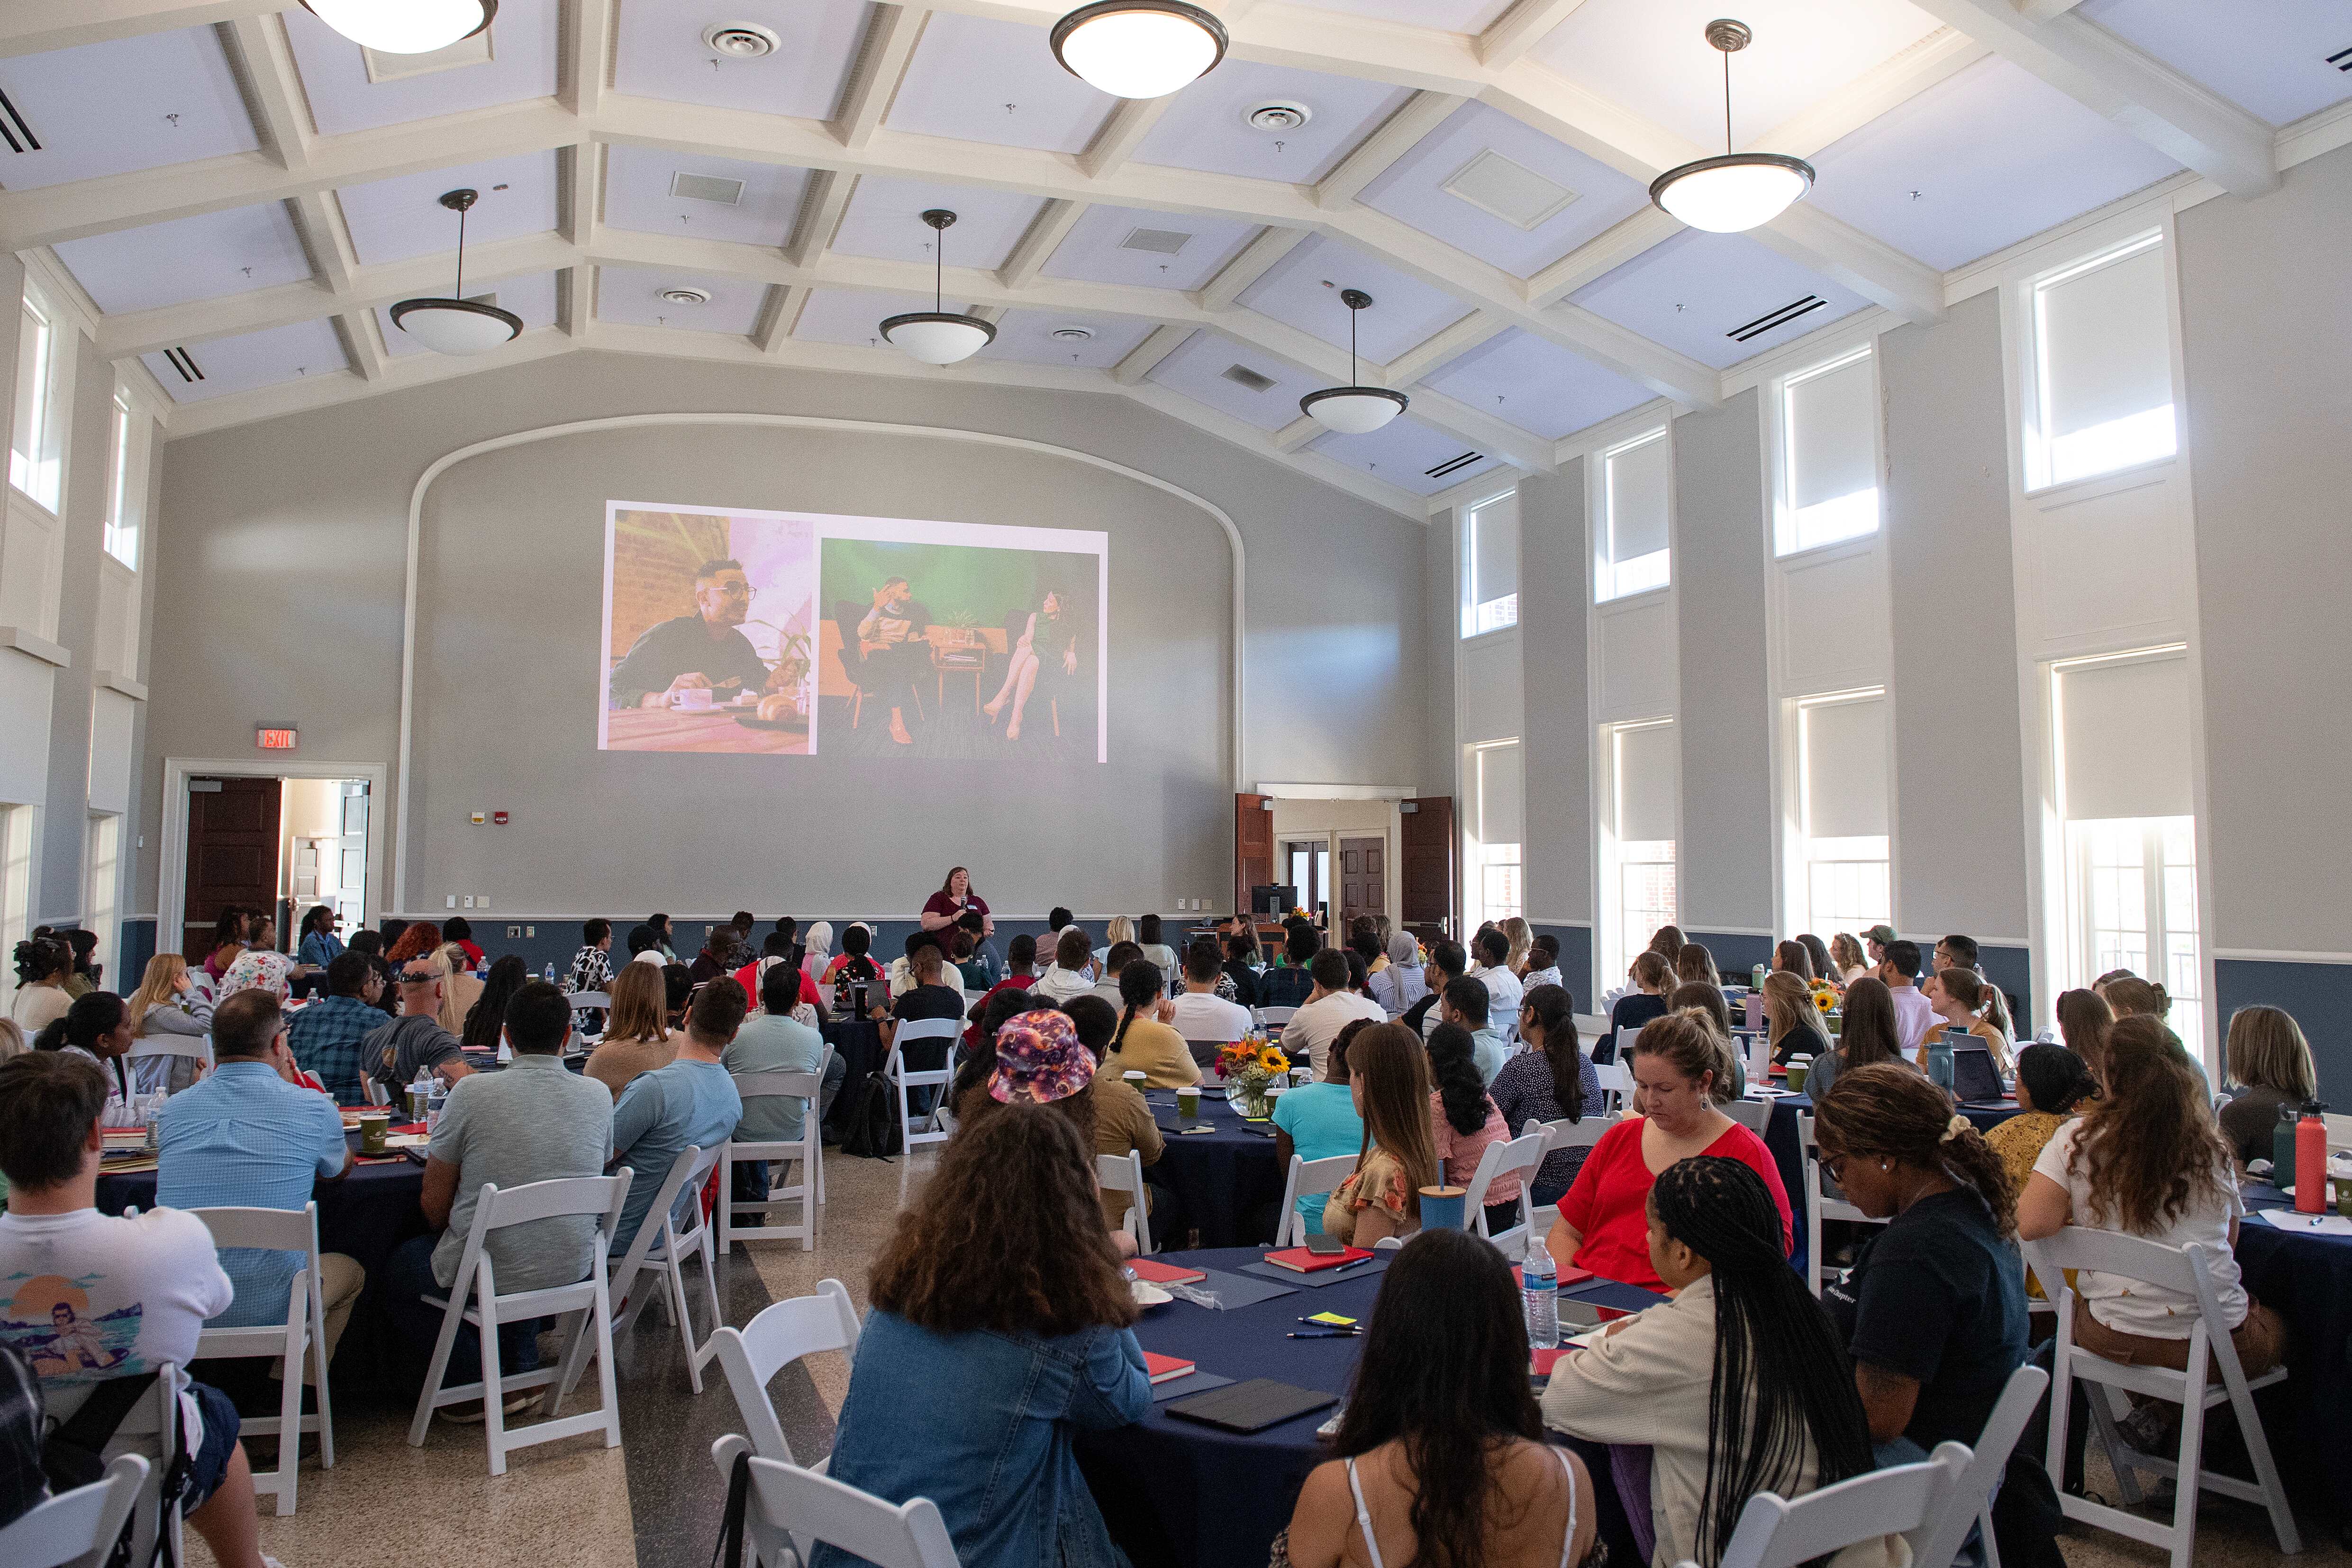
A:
(1737, 1385)
(1957, 952)
(1404, 981)
(2269, 1061)
(1867, 1033)
(1465, 1004)
(929, 997)
(318, 946)
(1677, 1062)
(855, 963)
(535, 1121)
(1793, 1021)
(1652, 975)
(41, 996)
(249, 1137)
(97, 1028)
(1328, 1007)
(1143, 1042)
(1551, 1080)
(1387, 1073)
(328, 1035)
(592, 970)
(644, 946)
(977, 1070)
(637, 1037)
(1241, 967)
(1694, 965)
(167, 1002)
(2128, 996)
(488, 1014)
(902, 968)
(1667, 942)
(1319, 1121)
(1200, 1012)
(416, 1038)
(2084, 1021)
(1071, 974)
(1150, 936)
(690, 1099)
(1492, 970)
(1790, 957)
(415, 939)
(1542, 966)
(1113, 961)
(972, 923)
(1002, 1285)
(1707, 1000)
(1447, 963)
(772, 1041)
(1020, 974)
(658, 923)
(142, 1288)
(1440, 1458)
(460, 989)
(1847, 958)
(1520, 936)
(1818, 952)
(259, 967)
(1291, 982)
(2051, 1086)
(1463, 1122)
(1899, 970)
(1124, 1123)
(779, 950)
(1962, 1000)
(2146, 1159)
(720, 954)
(458, 932)
(1119, 929)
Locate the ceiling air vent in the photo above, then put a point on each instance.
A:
(707, 188)
(1454, 464)
(742, 40)
(18, 135)
(1159, 242)
(1242, 375)
(185, 363)
(1276, 117)
(686, 296)
(2341, 59)
(1072, 334)
(1773, 320)
(1510, 190)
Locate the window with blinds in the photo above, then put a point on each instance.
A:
(1490, 565)
(2103, 394)
(132, 443)
(1841, 749)
(1828, 455)
(37, 443)
(1498, 859)
(1632, 549)
(1645, 791)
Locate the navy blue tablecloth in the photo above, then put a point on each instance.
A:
(859, 1043)
(1178, 1494)
(2306, 1279)
(1230, 1180)
(1788, 1154)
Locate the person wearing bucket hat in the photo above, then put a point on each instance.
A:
(1039, 1059)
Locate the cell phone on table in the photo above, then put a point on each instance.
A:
(1323, 1246)
(1582, 1314)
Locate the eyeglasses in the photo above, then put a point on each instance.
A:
(1833, 1166)
(734, 589)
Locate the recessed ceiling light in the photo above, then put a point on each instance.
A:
(742, 40)
(1278, 116)
(404, 27)
(1138, 48)
(1072, 334)
(686, 296)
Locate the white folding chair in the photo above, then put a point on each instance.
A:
(1616, 1084)
(662, 1245)
(196, 1046)
(809, 1150)
(1520, 1156)
(1819, 1204)
(600, 1196)
(908, 1033)
(584, 1001)
(1124, 1173)
(790, 1503)
(153, 1422)
(1274, 1018)
(1969, 1504)
(1753, 1115)
(1308, 1178)
(2190, 1272)
(302, 1337)
(79, 1524)
(1777, 1534)
(377, 1094)
(779, 1335)
(1591, 1026)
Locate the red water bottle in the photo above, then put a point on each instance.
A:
(2311, 1160)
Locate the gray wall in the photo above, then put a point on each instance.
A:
(1441, 624)
(281, 552)
(1556, 749)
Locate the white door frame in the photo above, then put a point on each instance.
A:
(171, 894)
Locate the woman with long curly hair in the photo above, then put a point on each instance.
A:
(415, 939)
(1000, 1326)
(2146, 1159)
(1440, 1461)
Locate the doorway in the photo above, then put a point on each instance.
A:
(269, 835)
(232, 856)
(1341, 851)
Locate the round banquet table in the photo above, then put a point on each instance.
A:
(1229, 1180)
(1788, 1154)
(1180, 1494)
(2306, 1277)
(859, 1041)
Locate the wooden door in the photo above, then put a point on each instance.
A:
(1252, 846)
(232, 855)
(1429, 884)
(1363, 880)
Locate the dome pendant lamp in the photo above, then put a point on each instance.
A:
(404, 27)
(1738, 191)
(938, 336)
(1138, 48)
(1353, 410)
(457, 325)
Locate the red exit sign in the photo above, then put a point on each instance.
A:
(274, 739)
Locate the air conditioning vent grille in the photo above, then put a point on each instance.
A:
(1157, 242)
(1771, 320)
(1242, 375)
(707, 188)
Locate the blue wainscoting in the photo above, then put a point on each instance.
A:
(1575, 961)
(2010, 969)
(2315, 994)
(1736, 957)
(136, 945)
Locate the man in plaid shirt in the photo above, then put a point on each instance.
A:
(325, 1036)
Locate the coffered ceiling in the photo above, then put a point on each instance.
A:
(236, 183)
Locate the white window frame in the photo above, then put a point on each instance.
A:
(2166, 880)
(131, 449)
(1483, 863)
(1476, 622)
(19, 830)
(103, 897)
(1876, 849)
(2040, 468)
(1609, 577)
(37, 466)
(1788, 533)
(1619, 940)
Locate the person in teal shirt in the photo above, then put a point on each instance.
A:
(1318, 1120)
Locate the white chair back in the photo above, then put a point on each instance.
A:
(661, 1247)
(153, 1424)
(198, 1048)
(1308, 1178)
(894, 1068)
(1820, 1204)
(1777, 1534)
(1274, 1018)
(1753, 1115)
(301, 1338)
(1518, 1157)
(809, 1150)
(580, 1001)
(1937, 1542)
(81, 1523)
(1616, 1083)
(817, 1508)
(1567, 1134)
(376, 1093)
(1124, 1173)
(781, 1334)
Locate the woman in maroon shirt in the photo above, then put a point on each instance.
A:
(955, 896)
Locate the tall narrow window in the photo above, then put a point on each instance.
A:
(1635, 484)
(1828, 455)
(1638, 851)
(15, 874)
(35, 456)
(104, 899)
(1497, 854)
(126, 480)
(2102, 367)
(1841, 795)
(1490, 565)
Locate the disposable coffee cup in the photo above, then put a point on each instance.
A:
(1188, 1104)
(1137, 1079)
(1800, 1068)
(1440, 1208)
(374, 1125)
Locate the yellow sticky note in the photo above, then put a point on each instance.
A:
(1332, 1320)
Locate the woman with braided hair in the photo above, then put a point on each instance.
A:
(1934, 1310)
(1738, 1385)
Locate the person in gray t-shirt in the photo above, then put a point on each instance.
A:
(390, 1055)
(536, 1121)
(772, 1041)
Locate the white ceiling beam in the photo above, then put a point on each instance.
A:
(400, 372)
(586, 56)
(1146, 356)
(1046, 232)
(364, 345)
(1376, 153)
(1854, 260)
(1509, 36)
(820, 208)
(881, 66)
(36, 27)
(1887, 86)
(575, 300)
(2186, 121)
(1255, 259)
(263, 63)
(1122, 134)
(1296, 434)
(579, 179)
(2043, 10)
(1258, 443)
(1613, 247)
(318, 218)
(778, 317)
(1444, 347)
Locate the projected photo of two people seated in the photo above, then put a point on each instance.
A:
(792, 633)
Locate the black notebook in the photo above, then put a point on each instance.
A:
(1251, 1406)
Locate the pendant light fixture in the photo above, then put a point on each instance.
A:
(1139, 48)
(938, 336)
(404, 27)
(1737, 191)
(457, 325)
(1353, 410)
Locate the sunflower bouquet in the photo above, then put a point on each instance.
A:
(1826, 996)
(1247, 1066)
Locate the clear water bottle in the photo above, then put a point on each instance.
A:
(548, 974)
(420, 1091)
(1540, 1294)
(436, 1095)
(482, 968)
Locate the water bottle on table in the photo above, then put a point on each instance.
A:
(548, 974)
(420, 1091)
(436, 1095)
(1540, 1282)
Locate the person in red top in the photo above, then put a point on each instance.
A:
(778, 948)
(1604, 1222)
(460, 930)
(955, 896)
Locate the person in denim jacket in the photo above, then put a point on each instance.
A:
(968, 1387)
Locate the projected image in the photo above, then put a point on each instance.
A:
(796, 633)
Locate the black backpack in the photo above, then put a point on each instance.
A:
(869, 1125)
(71, 1456)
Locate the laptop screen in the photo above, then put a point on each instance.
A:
(1974, 1077)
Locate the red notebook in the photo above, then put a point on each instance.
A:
(1299, 1260)
(1163, 1273)
(1166, 1368)
(1568, 1280)
(1546, 1359)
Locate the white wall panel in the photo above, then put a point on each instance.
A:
(1640, 665)
(26, 687)
(1832, 628)
(1490, 689)
(112, 720)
